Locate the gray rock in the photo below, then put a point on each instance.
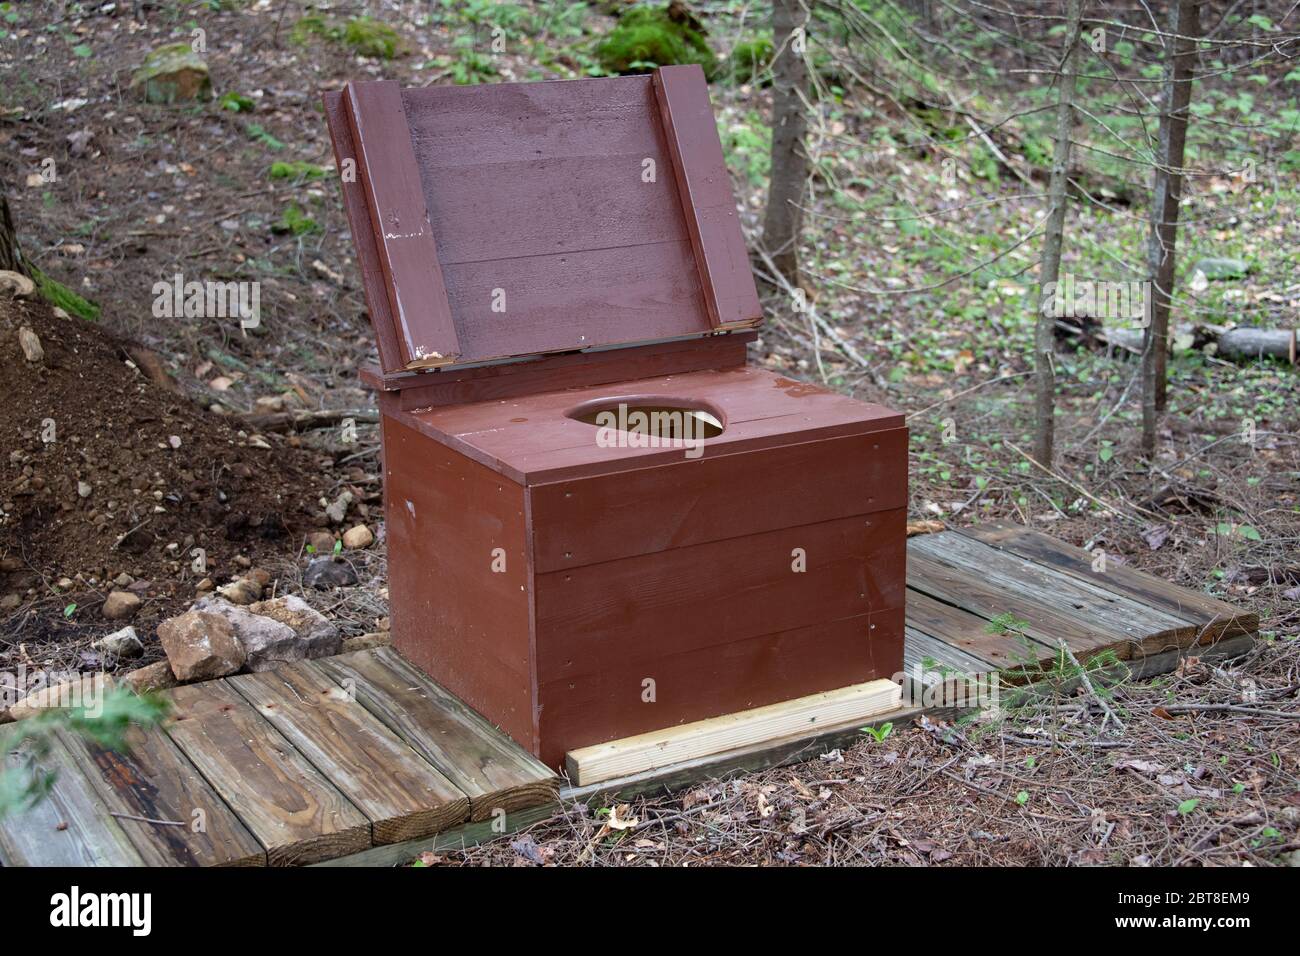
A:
(324, 573)
(120, 605)
(266, 642)
(201, 645)
(316, 635)
(1222, 268)
(172, 74)
(123, 643)
(155, 676)
(337, 511)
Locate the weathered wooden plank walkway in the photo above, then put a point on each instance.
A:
(362, 759)
(959, 581)
(310, 762)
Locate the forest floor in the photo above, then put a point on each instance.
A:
(898, 260)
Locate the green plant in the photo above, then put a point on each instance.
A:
(879, 733)
(749, 58)
(1006, 623)
(368, 37)
(646, 37)
(295, 222)
(25, 783)
(298, 171)
(470, 66)
(256, 132)
(235, 102)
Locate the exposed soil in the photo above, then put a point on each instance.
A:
(108, 477)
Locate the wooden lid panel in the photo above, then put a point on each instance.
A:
(561, 216)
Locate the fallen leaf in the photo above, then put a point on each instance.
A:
(620, 818)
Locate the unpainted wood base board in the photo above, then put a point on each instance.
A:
(702, 738)
(458, 838)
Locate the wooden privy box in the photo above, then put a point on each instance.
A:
(543, 262)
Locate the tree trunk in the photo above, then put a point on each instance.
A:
(11, 257)
(784, 218)
(1049, 272)
(1167, 191)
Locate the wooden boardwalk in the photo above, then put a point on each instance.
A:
(361, 758)
(959, 581)
(313, 761)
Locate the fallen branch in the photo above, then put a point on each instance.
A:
(1087, 685)
(1239, 344)
(294, 421)
(1229, 708)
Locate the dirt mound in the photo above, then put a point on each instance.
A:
(108, 480)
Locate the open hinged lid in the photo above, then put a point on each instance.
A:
(516, 219)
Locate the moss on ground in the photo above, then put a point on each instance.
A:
(647, 37)
(60, 296)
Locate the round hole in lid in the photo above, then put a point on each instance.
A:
(665, 418)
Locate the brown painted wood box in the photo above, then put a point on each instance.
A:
(537, 257)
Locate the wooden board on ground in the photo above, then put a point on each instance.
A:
(284, 801)
(69, 827)
(170, 814)
(401, 794)
(1212, 617)
(493, 771)
(672, 745)
(978, 578)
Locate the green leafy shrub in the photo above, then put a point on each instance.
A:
(646, 37)
(366, 36)
(749, 58)
(369, 37)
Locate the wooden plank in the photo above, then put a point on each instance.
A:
(284, 801)
(929, 658)
(575, 300)
(69, 827)
(691, 741)
(587, 521)
(402, 795)
(457, 838)
(388, 173)
(982, 579)
(706, 197)
(968, 633)
(604, 705)
(759, 756)
(363, 238)
(546, 373)
(481, 761)
(497, 209)
(649, 607)
(1215, 618)
(153, 781)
